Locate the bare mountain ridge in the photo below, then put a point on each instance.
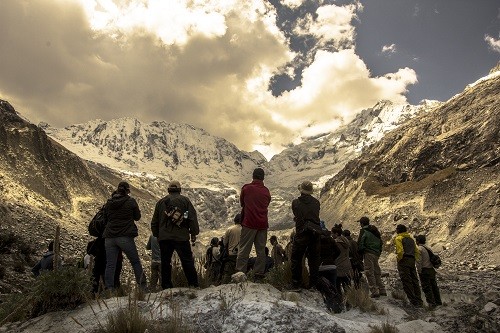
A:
(437, 173)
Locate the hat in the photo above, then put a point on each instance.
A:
(258, 173)
(364, 220)
(420, 239)
(174, 186)
(401, 228)
(273, 237)
(237, 218)
(306, 187)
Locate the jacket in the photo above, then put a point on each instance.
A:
(154, 246)
(121, 212)
(343, 262)
(255, 199)
(369, 242)
(45, 264)
(329, 251)
(231, 239)
(305, 208)
(424, 261)
(161, 226)
(406, 247)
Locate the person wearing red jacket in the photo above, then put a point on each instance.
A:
(254, 200)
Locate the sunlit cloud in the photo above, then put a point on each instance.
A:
(389, 49)
(206, 63)
(494, 44)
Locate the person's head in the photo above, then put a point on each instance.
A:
(306, 187)
(51, 246)
(420, 239)
(214, 241)
(123, 188)
(346, 233)
(174, 186)
(258, 174)
(401, 228)
(266, 250)
(237, 219)
(273, 239)
(364, 221)
(337, 230)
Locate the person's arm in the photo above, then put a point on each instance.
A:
(148, 245)
(155, 220)
(399, 247)
(418, 263)
(194, 228)
(36, 269)
(137, 211)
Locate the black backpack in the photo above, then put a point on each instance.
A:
(98, 222)
(434, 258)
(333, 300)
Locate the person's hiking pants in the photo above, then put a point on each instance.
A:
(309, 244)
(373, 273)
(248, 238)
(430, 287)
(408, 276)
(183, 249)
(127, 246)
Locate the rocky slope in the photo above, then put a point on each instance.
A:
(437, 173)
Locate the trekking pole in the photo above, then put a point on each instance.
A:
(56, 248)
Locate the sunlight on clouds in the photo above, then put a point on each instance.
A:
(493, 43)
(334, 23)
(389, 49)
(211, 68)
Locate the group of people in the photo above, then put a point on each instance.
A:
(331, 254)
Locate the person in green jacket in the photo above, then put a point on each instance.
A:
(370, 247)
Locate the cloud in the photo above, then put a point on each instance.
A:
(493, 43)
(389, 49)
(206, 63)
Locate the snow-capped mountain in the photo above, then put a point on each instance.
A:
(319, 158)
(160, 149)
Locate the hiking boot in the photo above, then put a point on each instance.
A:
(375, 295)
(383, 294)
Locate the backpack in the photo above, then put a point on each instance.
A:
(175, 215)
(434, 258)
(333, 300)
(373, 229)
(98, 223)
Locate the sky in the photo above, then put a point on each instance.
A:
(263, 74)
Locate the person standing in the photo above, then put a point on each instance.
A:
(307, 239)
(121, 212)
(47, 261)
(277, 252)
(343, 263)
(254, 200)
(427, 274)
(231, 240)
(407, 253)
(154, 247)
(370, 247)
(355, 258)
(174, 223)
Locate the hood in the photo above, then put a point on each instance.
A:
(117, 200)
